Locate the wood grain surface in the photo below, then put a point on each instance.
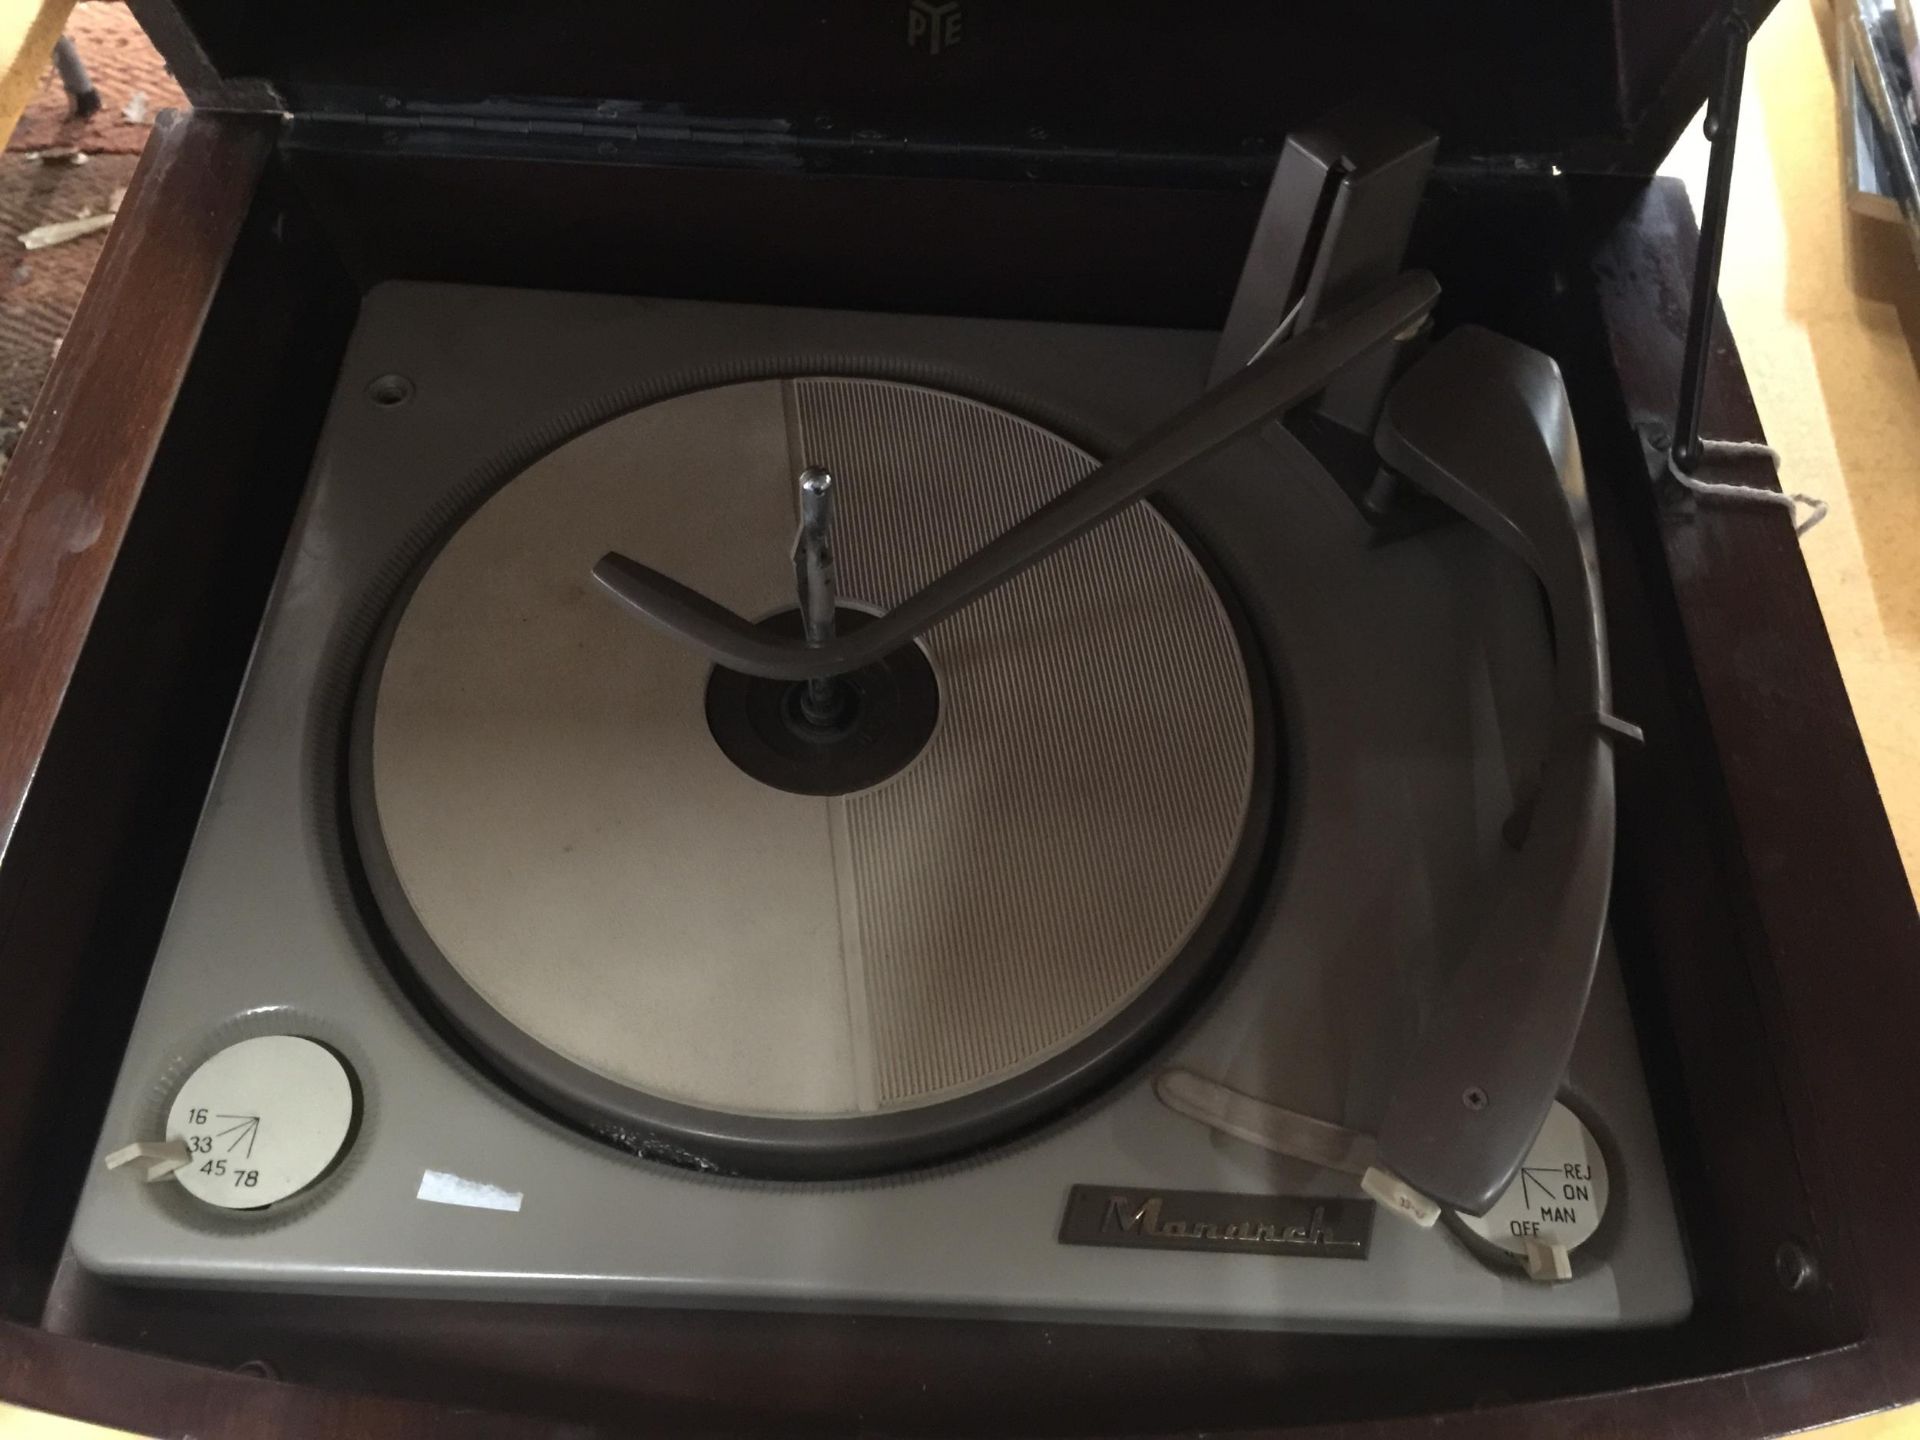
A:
(61, 523)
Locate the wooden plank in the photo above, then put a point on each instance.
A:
(124, 1390)
(95, 849)
(73, 483)
(1831, 935)
(82, 713)
(28, 29)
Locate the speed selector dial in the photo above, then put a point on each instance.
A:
(259, 1122)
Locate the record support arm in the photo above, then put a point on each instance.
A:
(1482, 424)
(1286, 375)
(1322, 320)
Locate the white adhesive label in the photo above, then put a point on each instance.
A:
(441, 1188)
(1399, 1197)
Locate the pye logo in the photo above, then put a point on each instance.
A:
(936, 26)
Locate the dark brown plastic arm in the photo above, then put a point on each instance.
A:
(1267, 387)
(1482, 423)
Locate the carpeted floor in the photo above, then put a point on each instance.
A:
(55, 168)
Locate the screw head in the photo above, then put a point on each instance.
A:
(1474, 1098)
(1795, 1266)
(390, 390)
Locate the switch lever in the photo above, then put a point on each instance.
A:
(160, 1157)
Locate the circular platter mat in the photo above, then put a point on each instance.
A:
(694, 962)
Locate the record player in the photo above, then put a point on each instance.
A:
(885, 736)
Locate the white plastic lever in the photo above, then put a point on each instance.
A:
(161, 1157)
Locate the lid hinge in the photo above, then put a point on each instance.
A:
(609, 129)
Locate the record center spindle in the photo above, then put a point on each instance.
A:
(824, 700)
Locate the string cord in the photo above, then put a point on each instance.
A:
(1816, 508)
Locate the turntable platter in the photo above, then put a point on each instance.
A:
(696, 962)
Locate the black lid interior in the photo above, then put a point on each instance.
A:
(1585, 84)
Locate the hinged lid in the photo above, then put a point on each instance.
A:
(1583, 84)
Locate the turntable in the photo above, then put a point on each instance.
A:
(900, 740)
(775, 806)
